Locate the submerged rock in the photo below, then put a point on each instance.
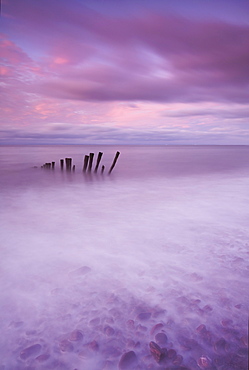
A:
(156, 328)
(204, 362)
(109, 331)
(94, 346)
(161, 339)
(128, 360)
(65, 346)
(157, 352)
(178, 360)
(30, 351)
(144, 316)
(220, 346)
(75, 335)
(43, 358)
(80, 271)
(171, 354)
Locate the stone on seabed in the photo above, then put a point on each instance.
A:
(75, 335)
(161, 339)
(204, 362)
(156, 352)
(29, 351)
(128, 360)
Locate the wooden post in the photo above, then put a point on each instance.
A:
(62, 164)
(114, 162)
(98, 161)
(73, 167)
(53, 163)
(102, 169)
(86, 159)
(68, 163)
(91, 155)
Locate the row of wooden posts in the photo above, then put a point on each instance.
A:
(87, 165)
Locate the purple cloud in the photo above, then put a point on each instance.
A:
(60, 56)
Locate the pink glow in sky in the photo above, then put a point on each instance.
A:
(126, 72)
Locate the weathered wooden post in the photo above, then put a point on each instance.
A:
(61, 164)
(114, 162)
(53, 163)
(91, 155)
(86, 159)
(98, 161)
(68, 163)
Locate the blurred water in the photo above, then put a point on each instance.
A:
(94, 266)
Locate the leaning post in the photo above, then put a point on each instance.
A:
(98, 161)
(114, 162)
(91, 155)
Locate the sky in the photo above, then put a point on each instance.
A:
(147, 72)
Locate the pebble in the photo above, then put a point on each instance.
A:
(244, 341)
(143, 316)
(157, 352)
(159, 313)
(130, 343)
(242, 352)
(43, 358)
(141, 328)
(156, 328)
(108, 365)
(16, 324)
(178, 360)
(201, 329)
(195, 277)
(161, 339)
(171, 354)
(111, 351)
(186, 343)
(93, 345)
(65, 346)
(109, 331)
(204, 362)
(31, 332)
(130, 324)
(95, 321)
(226, 322)
(80, 271)
(30, 351)
(75, 336)
(220, 346)
(128, 360)
(238, 306)
(204, 333)
(207, 308)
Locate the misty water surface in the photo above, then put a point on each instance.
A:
(96, 268)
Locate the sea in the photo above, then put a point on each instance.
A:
(146, 267)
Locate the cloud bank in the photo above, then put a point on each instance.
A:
(59, 58)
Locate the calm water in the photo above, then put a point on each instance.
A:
(98, 270)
